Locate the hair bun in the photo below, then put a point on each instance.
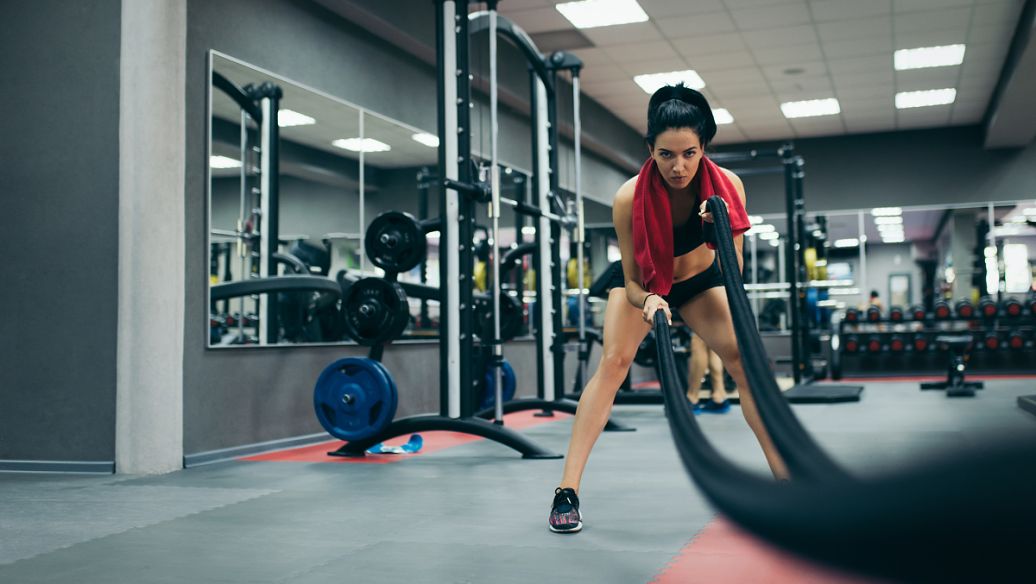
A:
(689, 96)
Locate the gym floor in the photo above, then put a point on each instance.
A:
(464, 511)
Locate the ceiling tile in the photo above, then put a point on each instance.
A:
(691, 26)
(871, 64)
(804, 86)
(591, 57)
(593, 75)
(780, 37)
(1004, 13)
(787, 57)
(632, 53)
(804, 69)
(623, 34)
(660, 8)
(721, 61)
(766, 134)
(932, 38)
(935, 78)
(739, 4)
(857, 83)
(694, 47)
(858, 48)
(989, 33)
(857, 28)
(766, 17)
(869, 127)
(732, 76)
(741, 89)
(659, 65)
(923, 116)
(539, 20)
(929, 20)
(969, 112)
(828, 10)
(915, 5)
(729, 134)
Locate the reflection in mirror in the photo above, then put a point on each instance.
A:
(284, 208)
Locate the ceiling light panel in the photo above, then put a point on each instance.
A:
(361, 145)
(722, 116)
(287, 118)
(597, 13)
(810, 108)
(924, 57)
(651, 82)
(927, 98)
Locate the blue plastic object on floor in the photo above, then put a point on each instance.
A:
(413, 445)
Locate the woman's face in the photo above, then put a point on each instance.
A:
(677, 153)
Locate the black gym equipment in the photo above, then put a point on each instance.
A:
(958, 349)
(895, 314)
(942, 310)
(397, 242)
(904, 527)
(964, 309)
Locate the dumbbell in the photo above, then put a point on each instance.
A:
(991, 341)
(942, 310)
(851, 344)
(1032, 305)
(852, 315)
(1013, 308)
(917, 312)
(897, 344)
(964, 309)
(874, 344)
(1016, 340)
(873, 314)
(920, 342)
(987, 307)
(896, 314)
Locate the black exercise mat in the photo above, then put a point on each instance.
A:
(819, 393)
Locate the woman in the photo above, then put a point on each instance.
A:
(658, 215)
(702, 358)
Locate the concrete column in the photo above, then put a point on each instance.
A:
(149, 394)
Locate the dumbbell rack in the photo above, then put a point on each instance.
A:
(883, 347)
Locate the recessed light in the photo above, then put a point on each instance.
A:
(753, 219)
(361, 145)
(595, 13)
(853, 242)
(886, 211)
(287, 118)
(528, 230)
(761, 228)
(223, 162)
(888, 220)
(775, 242)
(722, 116)
(769, 235)
(651, 82)
(810, 108)
(430, 140)
(922, 57)
(895, 239)
(929, 97)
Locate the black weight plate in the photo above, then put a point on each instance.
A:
(511, 317)
(354, 399)
(375, 311)
(395, 242)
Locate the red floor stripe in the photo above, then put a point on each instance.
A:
(723, 554)
(433, 442)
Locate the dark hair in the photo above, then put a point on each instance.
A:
(874, 293)
(676, 106)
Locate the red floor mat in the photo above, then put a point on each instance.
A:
(723, 554)
(433, 442)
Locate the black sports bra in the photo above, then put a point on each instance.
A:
(687, 237)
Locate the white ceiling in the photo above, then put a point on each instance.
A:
(744, 49)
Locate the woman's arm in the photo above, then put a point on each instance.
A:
(622, 219)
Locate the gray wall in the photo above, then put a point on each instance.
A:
(59, 213)
(917, 167)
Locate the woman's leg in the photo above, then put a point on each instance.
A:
(709, 315)
(719, 387)
(624, 329)
(699, 361)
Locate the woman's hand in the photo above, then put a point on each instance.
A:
(704, 214)
(653, 304)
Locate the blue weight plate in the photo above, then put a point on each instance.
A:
(489, 387)
(394, 394)
(354, 399)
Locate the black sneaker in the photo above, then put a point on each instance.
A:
(564, 513)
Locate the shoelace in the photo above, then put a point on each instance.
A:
(565, 497)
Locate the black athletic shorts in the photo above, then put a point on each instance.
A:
(680, 293)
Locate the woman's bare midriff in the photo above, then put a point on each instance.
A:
(692, 263)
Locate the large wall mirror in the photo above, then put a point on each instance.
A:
(893, 256)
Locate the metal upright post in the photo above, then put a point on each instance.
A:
(270, 96)
(791, 264)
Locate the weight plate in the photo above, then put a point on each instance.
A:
(647, 353)
(511, 317)
(355, 399)
(510, 385)
(375, 311)
(395, 242)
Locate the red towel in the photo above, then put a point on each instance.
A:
(653, 221)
